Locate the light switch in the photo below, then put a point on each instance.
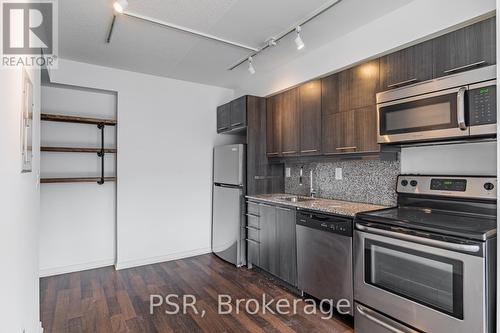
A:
(338, 173)
(288, 173)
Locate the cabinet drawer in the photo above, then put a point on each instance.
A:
(253, 208)
(253, 221)
(253, 252)
(253, 233)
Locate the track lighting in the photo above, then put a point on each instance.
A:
(271, 42)
(251, 69)
(120, 6)
(298, 40)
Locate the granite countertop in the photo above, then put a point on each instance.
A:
(346, 208)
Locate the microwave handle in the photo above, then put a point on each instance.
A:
(461, 108)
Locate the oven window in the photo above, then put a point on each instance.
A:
(430, 280)
(425, 114)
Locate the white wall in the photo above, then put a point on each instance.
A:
(77, 216)
(166, 132)
(19, 213)
(414, 21)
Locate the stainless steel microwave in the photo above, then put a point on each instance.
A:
(456, 106)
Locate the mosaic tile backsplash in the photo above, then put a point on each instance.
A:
(369, 181)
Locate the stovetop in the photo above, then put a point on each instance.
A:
(463, 207)
(459, 224)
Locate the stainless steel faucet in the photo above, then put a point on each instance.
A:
(312, 191)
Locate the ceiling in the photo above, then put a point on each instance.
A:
(147, 48)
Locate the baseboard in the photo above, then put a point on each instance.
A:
(158, 259)
(44, 272)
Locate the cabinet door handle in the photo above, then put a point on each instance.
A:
(251, 215)
(252, 241)
(237, 124)
(272, 154)
(290, 152)
(345, 148)
(223, 128)
(252, 228)
(402, 83)
(285, 209)
(309, 151)
(456, 69)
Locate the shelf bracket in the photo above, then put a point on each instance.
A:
(101, 153)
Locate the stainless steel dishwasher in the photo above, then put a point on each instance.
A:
(324, 256)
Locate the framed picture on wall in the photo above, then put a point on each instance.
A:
(27, 124)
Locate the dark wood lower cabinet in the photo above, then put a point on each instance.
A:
(268, 260)
(271, 242)
(286, 243)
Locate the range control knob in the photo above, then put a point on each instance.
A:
(489, 186)
(413, 183)
(404, 182)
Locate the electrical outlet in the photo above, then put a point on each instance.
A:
(288, 172)
(338, 173)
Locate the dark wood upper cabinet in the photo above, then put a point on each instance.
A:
(330, 95)
(358, 86)
(273, 128)
(290, 122)
(411, 65)
(239, 112)
(338, 133)
(310, 117)
(365, 123)
(353, 131)
(223, 117)
(337, 114)
(466, 48)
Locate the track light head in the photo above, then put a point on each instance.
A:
(120, 6)
(251, 69)
(298, 40)
(271, 42)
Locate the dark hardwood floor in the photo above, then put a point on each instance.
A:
(105, 300)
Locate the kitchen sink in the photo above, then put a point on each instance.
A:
(296, 199)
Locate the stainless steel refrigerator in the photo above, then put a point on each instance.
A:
(228, 222)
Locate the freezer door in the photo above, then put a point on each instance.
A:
(227, 224)
(229, 162)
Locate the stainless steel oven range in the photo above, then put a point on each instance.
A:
(429, 264)
(453, 107)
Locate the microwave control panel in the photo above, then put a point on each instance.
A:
(482, 105)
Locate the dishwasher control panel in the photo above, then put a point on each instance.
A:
(330, 223)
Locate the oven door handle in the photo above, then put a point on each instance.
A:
(461, 108)
(421, 240)
(374, 317)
